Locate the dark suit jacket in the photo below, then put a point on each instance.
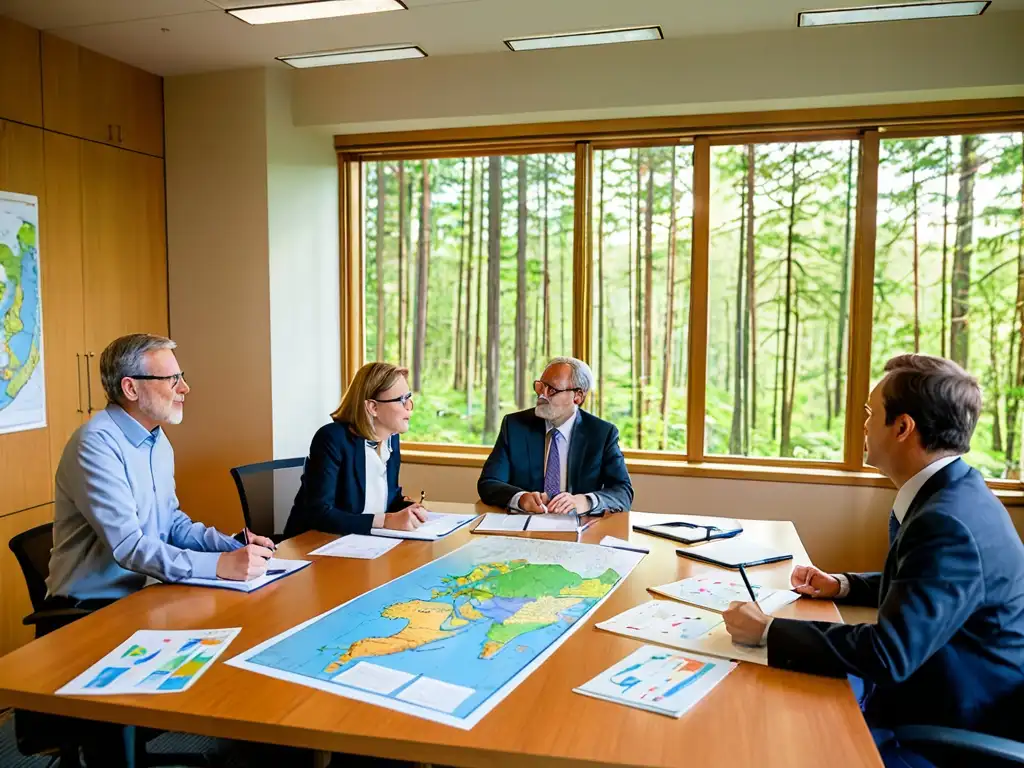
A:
(333, 489)
(595, 463)
(948, 648)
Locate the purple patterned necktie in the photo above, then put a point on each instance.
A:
(553, 474)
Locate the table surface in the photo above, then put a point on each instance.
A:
(756, 716)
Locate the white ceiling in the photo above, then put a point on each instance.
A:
(171, 37)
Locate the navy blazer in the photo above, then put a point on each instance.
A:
(333, 490)
(948, 648)
(594, 465)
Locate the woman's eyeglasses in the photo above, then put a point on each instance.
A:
(403, 399)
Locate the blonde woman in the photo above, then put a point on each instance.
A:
(350, 481)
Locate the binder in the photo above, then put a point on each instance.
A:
(733, 554)
(693, 529)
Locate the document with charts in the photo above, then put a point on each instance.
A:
(153, 661)
(658, 680)
(681, 626)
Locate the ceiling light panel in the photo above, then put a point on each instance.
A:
(353, 56)
(595, 37)
(900, 12)
(314, 9)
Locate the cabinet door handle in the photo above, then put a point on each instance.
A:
(119, 139)
(78, 375)
(110, 132)
(88, 377)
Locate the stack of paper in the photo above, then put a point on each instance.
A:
(437, 526)
(680, 626)
(716, 594)
(358, 547)
(658, 680)
(153, 661)
(276, 569)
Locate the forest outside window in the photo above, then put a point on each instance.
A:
(643, 225)
(949, 272)
(782, 219)
(469, 283)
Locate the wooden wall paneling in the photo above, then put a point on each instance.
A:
(124, 250)
(139, 110)
(62, 291)
(25, 477)
(16, 605)
(21, 96)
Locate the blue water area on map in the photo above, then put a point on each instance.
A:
(454, 659)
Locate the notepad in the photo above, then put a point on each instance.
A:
(732, 553)
(658, 680)
(273, 564)
(716, 593)
(496, 522)
(437, 526)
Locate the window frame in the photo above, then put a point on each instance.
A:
(866, 125)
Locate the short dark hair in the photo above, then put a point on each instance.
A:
(941, 397)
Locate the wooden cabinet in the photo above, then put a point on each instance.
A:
(98, 98)
(16, 605)
(63, 296)
(25, 477)
(20, 93)
(124, 250)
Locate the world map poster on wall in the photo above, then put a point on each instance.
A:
(22, 389)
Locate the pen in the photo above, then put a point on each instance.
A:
(423, 495)
(275, 572)
(746, 581)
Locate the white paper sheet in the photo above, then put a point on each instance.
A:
(496, 522)
(153, 661)
(658, 680)
(681, 626)
(437, 526)
(286, 568)
(716, 593)
(357, 546)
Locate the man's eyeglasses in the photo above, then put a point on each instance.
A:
(543, 388)
(403, 399)
(174, 378)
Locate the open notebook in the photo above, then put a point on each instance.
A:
(276, 569)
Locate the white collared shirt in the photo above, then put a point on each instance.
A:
(906, 495)
(377, 478)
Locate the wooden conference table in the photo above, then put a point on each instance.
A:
(756, 716)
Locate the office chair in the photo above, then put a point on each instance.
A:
(972, 748)
(37, 733)
(266, 488)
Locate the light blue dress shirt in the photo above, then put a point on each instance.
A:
(116, 515)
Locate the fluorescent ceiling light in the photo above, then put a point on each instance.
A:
(574, 39)
(901, 12)
(313, 9)
(353, 56)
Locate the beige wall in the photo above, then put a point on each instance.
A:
(868, 64)
(219, 283)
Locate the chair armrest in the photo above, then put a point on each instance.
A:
(56, 613)
(983, 743)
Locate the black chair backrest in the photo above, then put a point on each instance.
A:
(32, 548)
(267, 491)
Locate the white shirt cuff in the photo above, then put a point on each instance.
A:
(513, 505)
(764, 635)
(592, 498)
(844, 584)
(378, 520)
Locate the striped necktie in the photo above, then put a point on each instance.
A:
(553, 473)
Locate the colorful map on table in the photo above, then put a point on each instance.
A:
(451, 639)
(153, 661)
(22, 389)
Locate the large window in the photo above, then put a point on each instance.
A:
(469, 283)
(949, 275)
(736, 292)
(782, 219)
(643, 230)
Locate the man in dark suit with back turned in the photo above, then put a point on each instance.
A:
(555, 457)
(948, 648)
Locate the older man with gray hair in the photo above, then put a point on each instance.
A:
(116, 514)
(556, 457)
